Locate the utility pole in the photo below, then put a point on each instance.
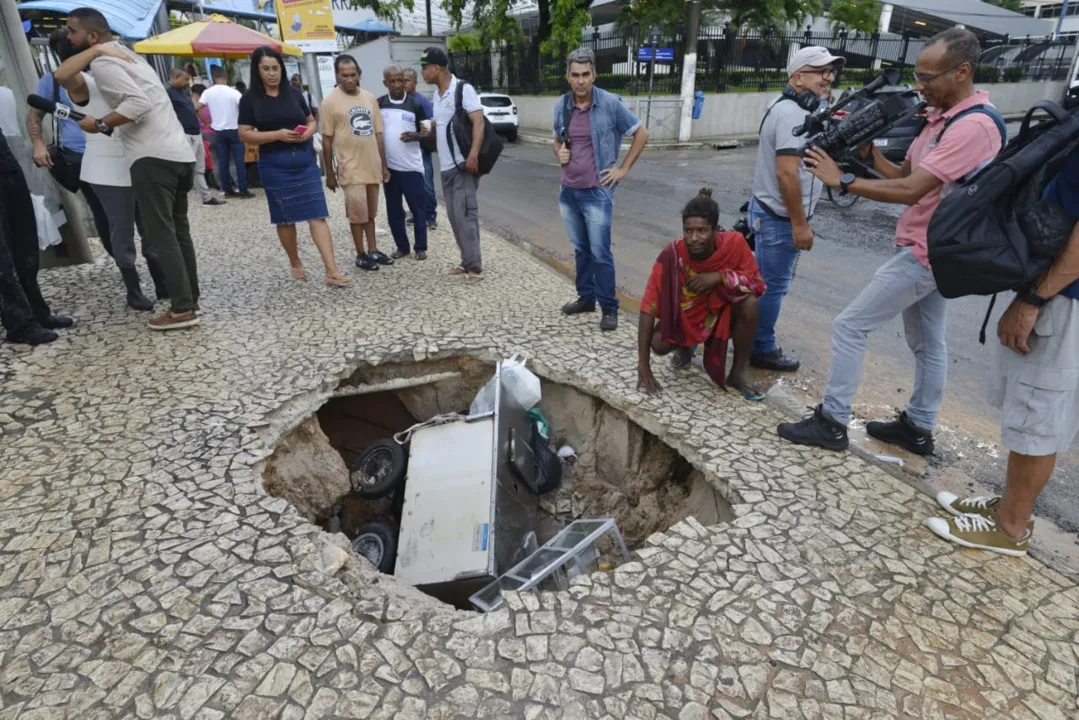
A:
(1060, 20)
(689, 69)
(22, 76)
(429, 32)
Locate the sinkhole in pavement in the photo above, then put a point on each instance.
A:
(622, 471)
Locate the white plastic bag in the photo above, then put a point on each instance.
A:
(518, 382)
(48, 233)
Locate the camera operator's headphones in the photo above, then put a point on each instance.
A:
(804, 99)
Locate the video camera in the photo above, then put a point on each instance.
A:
(838, 132)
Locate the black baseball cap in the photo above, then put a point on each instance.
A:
(434, 56)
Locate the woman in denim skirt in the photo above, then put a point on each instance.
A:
(274, 116)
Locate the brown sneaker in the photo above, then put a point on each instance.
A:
(174, 321)
(971, 505)
(982, 532)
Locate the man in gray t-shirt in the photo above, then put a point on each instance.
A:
(785, 194)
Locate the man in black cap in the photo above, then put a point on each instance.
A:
(460, 174)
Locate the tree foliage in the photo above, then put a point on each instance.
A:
(491, 20)
(384, 9)
(569, 18)
(666, 14)
(860, 15)
(764, 14)
(465, 42)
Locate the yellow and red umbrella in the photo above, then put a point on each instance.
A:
(217, 36)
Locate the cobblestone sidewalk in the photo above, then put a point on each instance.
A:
(144, 572)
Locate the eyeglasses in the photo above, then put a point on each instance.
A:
(823, 72)
(926, 79)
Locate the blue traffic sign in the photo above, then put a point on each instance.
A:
(644, 54)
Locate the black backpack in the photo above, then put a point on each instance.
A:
(462, 130)
(995, 232)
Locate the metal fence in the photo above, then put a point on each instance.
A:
(728, 61)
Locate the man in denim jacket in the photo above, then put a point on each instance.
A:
(589, 124)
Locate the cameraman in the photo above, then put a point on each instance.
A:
(785, 193)
(962, 134)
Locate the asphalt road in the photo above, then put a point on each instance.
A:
(519, 200)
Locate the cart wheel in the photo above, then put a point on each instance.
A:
(840, 200)
(379, 469)
(377, 541)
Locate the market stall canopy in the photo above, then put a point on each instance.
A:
(216, 37)
(368, 26)
(130, 19)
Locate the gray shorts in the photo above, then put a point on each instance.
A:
(1038, 393)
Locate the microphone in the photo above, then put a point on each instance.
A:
(60, 110)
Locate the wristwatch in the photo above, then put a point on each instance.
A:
(845, 181)
(1030, 296)
(102, 126)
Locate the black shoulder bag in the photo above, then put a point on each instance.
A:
(66, 163)
(461, 125)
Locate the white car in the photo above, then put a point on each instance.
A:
(502, 113)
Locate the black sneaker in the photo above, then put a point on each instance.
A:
(433, 225)
(33, 335)
(366, 262)
(580, 305)
(818, 430)
(214, 201)
(774, 360)
(381, 258)
(904, 433)
(609, 320)
(233, 194)
(246, 194)
(56, 322)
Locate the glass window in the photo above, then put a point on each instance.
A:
(498, 101)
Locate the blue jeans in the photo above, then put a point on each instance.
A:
(776, 257)
(431, 200)
(410, 186)
(901, 285)
(229, 146)
(587, 214)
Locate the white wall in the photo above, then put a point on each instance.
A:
(730, 114)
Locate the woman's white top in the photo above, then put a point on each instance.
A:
(104, 162)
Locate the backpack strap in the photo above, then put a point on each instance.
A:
(458, 115)
(772, 107)
(989, 110)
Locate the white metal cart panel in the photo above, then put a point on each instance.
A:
(445, 524)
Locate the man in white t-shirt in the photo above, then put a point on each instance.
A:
(460, 175)
(403, 120)
(224, 104)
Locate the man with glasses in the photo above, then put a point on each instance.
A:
(963, 133)
(785, 194)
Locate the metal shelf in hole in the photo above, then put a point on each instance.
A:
(568, 548)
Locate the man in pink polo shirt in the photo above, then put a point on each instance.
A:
(964, 132)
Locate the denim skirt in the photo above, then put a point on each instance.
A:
(293, 185)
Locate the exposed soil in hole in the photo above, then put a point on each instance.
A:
(622, 470)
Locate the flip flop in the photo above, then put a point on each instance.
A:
(458, 271)
(298, 273)
(752, 394)
(683, 359)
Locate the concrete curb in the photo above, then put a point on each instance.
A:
(716, 144)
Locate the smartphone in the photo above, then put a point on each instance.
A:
(300, 129)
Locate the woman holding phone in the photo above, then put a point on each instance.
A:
(274, 116)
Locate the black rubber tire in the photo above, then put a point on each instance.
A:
(511, 136)
(377, 541)
(379, 469)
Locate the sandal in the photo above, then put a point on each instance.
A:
(337, 280)
(471, 278)
(683, 358)
(751, 393)
(298, 273)
(458, 271)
